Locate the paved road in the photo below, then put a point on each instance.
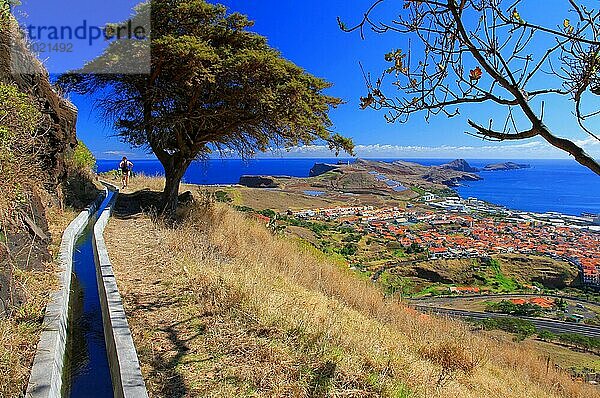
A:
(501, 295)
(540, 323)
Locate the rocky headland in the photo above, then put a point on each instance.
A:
(448, 175)
(460, 165)
(369, 176)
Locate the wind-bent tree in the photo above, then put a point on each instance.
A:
(213, 86)
(474, 51)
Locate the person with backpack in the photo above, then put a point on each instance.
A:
(125, 166)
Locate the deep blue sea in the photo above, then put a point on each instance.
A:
(549, 185)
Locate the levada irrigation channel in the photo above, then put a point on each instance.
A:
(86, 371)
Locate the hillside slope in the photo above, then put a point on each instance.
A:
(37, 155)
(220, 307)
(37, 135)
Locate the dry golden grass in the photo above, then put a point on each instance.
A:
(20, 332)
(562, 356)
(17, 348)
(138, 182)
(219, 307)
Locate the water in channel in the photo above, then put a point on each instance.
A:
(86, 372)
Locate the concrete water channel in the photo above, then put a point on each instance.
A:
(86, 360)
(86, 348)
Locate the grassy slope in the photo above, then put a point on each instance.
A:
(514, 270)
(220, 307)
(20, 332)
(560, 355)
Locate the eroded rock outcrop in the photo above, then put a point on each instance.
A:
(59, 116)
(258, 182)
(26, 235)
(321, 168)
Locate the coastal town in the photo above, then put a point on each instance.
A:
(453, 228)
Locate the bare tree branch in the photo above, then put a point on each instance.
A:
(479, 51)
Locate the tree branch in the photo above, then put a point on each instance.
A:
(502, 136)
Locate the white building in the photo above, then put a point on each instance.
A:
(427, 197)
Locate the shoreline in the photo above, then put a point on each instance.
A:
(208, 174)
(548, 214)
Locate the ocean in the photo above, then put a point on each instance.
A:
(549, 185)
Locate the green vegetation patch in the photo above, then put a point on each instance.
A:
(19, 119)
(433, 290)
(316, 227)
(82, 158)
(418, 190)
(591, 344)
(223, 197)
(499, 282)
(521, 327)
(395, 285)
(508, 307)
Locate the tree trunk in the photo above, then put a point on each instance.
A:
(175, 168)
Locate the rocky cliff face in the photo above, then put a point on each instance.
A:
(26, 237)
(59, 115)
(258, 182)
(321, 168)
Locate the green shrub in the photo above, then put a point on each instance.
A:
(521, 327)
(223, 197)
(507, 307)
(268, 213)
(352, 238)
(345, 230)
(414, 248)
(399, 253)
(79, 188)
(82, 158)
(394, 284)
(348, 250)
(546, 335)
(19, 168)
(394, 245)
(581, 341)
(244, 209)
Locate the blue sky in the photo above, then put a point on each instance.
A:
(307, 33)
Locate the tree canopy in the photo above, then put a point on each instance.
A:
(214, 86)
(461, 52)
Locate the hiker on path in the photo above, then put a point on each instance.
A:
(125, 166)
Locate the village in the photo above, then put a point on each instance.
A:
(447, 228)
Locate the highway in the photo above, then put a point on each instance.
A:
(450, 297)
(540, 323)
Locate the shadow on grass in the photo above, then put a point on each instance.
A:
(130, 205)
(322, 380)
(145, 201)
(165, 366)
(166, 362)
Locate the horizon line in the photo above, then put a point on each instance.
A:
(343, 158)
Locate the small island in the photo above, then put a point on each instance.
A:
(505, 166)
